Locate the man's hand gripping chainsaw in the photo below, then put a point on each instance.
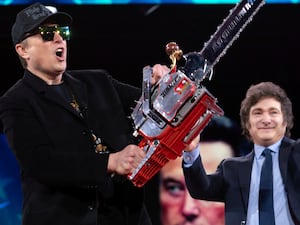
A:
(170, 114)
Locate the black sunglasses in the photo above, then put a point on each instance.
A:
(47, 32)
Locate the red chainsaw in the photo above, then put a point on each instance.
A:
(171, 113)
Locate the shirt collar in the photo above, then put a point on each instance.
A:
(258, 149)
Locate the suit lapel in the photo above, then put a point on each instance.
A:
(244, 170)
(284, 152)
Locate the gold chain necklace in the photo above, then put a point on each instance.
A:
(75, 105)
(99, 147)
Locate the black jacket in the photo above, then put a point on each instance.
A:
(64, 181)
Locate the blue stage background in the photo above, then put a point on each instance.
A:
(10, 187)
(118, 2)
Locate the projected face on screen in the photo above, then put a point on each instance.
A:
(177, 206)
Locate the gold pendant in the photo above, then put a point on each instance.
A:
(100, 148)
(75, 105)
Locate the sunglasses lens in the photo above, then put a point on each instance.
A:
(64, 32)
(47, 33)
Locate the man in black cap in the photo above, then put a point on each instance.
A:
(32, 17)
(70, 131)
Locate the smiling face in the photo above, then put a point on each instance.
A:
(266, 123)
(46, 59)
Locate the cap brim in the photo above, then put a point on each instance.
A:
(59, 18)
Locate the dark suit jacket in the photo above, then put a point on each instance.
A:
(64, 181)
(231, 182)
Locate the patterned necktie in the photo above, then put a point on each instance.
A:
(266, 209)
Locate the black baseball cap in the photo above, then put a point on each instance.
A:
(35, 15)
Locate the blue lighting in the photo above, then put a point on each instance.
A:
(110, 2)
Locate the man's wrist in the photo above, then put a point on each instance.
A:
(190, 157)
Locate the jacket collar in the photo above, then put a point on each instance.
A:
(244, 172)
(284, 152)
(45, 91)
